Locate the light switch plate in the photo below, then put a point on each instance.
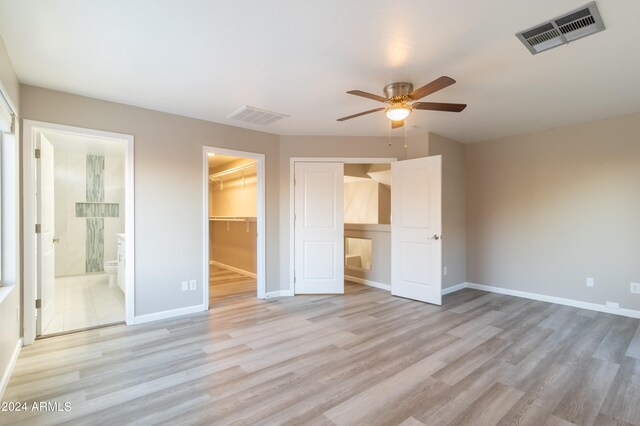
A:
(193, 284)
(185, 285)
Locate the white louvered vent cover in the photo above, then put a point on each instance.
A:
(571, 26)
(253, 115)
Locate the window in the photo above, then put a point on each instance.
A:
(8, 193)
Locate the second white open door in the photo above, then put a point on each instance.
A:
(416, 229)
(319, 228)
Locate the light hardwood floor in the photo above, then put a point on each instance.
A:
(226, 283)
(365, 358)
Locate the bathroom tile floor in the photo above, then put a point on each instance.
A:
(85, 301)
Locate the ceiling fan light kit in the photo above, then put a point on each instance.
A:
(398, 113)
(402, 100)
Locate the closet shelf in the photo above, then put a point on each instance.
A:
(235, 172)
(233, 218)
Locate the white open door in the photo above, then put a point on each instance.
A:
(45, 253)
(416, 229)
(319, 228)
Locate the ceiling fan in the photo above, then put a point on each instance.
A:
(402, 100)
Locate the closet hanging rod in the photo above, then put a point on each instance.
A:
(232, 170)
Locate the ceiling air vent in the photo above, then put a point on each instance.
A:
(253, 115)
(571, 26)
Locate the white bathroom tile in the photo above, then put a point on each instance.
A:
(56, 325)
(113, 170)
(76, 230)
(76, 255)
(77, 167)
(61, 259)
(77, 194)
(59, 198)
(113, 193)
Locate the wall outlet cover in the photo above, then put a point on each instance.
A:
(185, 285)
(193, 284)
(589, 281)
(444, 271)
(635, 288)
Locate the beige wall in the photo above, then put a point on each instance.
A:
(361, 202)
(380, 236)
(234, 199)
(168, 187)
(454, 211)
(323, 146)
(234, 244)
(10, 295)
(8, 77)
(548, 209)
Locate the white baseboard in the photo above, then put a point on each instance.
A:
(6, 376)
(234, 269)
(454, 288)
(559, 300)
(278, 293)
(370, 283)
(141, 319)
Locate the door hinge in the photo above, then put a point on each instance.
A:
(37, 153)
(38, 228)
(38, 303)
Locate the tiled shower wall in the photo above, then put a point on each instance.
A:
(89, 210)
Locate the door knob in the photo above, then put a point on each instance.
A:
(435, 237)
(56, 240)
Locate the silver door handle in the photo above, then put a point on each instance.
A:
(435, 237)
(56, 240)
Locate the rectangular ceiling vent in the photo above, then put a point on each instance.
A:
(571, 26)
(253, 115)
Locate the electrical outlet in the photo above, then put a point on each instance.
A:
(444, 271)
(185, 285)
(589, 281)
(635, 288)
(193, 284)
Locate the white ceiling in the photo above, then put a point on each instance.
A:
(205, 59)
(70, 142)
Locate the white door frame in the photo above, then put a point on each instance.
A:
(260, 224)
(292, 165)
(30, 130)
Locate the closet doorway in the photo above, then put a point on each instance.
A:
(234, 237)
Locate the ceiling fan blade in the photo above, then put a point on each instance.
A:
(439, 106)
(434, 86)
(367, 95)
(397, 123)
(349, 117)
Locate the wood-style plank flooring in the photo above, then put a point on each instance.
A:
(226, 283)
(365, 358)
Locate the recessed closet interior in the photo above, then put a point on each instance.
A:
(367, 224)
(232, 226)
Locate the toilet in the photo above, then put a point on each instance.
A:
(111, 268)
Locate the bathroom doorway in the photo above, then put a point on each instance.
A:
(81, 181)
(234, 245)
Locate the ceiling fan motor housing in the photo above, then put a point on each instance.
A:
(397, 91)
